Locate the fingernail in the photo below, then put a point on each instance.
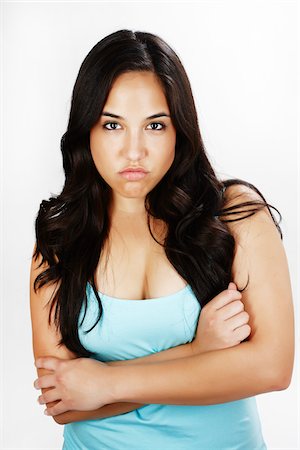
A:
(46, 412)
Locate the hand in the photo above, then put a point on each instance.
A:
(222, 323)
(81, 384)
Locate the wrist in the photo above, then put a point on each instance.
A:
(115, 375)
(197, 349)
(114, 363)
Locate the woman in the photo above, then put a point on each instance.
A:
(142, 237)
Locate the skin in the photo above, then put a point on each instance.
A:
(216, 353)
(134, 141)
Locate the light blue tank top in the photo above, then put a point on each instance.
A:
(134, 328)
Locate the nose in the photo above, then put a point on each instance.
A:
(134, 148)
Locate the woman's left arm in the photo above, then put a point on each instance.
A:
(264, 363)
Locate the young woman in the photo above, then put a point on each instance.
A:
(160, 295)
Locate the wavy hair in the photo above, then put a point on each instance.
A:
(72, 227)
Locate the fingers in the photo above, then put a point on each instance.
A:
(242, 333)
(230, 310)
(224, 298)
(59, 408)
(49, 396)
(44, 381)
(238, 320)
(48, 362)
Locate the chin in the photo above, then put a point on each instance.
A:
(134, 193)
(134, 189)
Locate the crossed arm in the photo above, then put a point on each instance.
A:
(262, 364)
(120, 407)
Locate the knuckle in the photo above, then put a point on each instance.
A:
(61, 364)
(206, 308)
(247, 329)
(244, 332)
(229, 293)
(227, 340)
(234, 293)
(230, 341)
(60, 378)
(69, 402)
(240, 305)
(211, 322)
(246, 316)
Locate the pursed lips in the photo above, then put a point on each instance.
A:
(134, 169)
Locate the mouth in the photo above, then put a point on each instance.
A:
(133, 174)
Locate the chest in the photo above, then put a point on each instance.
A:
(136, 267)
(129, 329)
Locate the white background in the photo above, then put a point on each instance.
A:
(240, 57)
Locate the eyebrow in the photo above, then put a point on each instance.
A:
(154, 116)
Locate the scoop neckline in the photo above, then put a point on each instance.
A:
(164, 297)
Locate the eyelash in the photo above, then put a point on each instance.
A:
(114, 129)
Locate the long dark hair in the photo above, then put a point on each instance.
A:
(72, 227)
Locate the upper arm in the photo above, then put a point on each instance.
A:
(260, 255)
(45, 341)
(45, 337)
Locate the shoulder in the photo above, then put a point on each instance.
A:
(246, 212)
(256, 234)
(239, 195)
(236, 193)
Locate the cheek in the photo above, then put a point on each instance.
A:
(100, 154)
(104, 165)
(166, 163)
(167, 155)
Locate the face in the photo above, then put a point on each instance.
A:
(126, 136)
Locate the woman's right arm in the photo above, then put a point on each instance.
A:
(45, 340)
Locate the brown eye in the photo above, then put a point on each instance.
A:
(158, 123)
(110, 123)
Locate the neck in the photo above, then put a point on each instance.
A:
(127, 208)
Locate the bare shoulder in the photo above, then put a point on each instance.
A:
(236, 197)
(258, 241)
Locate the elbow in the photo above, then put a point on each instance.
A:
(276, 362)
(282, 380)
(279, 378)
(60, 420)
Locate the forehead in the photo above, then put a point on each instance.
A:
(141, 88)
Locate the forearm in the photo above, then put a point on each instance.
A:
(114, 409)
(208, 378)
(180, 351)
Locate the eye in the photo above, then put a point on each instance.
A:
(158, 123)
(110, 123)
